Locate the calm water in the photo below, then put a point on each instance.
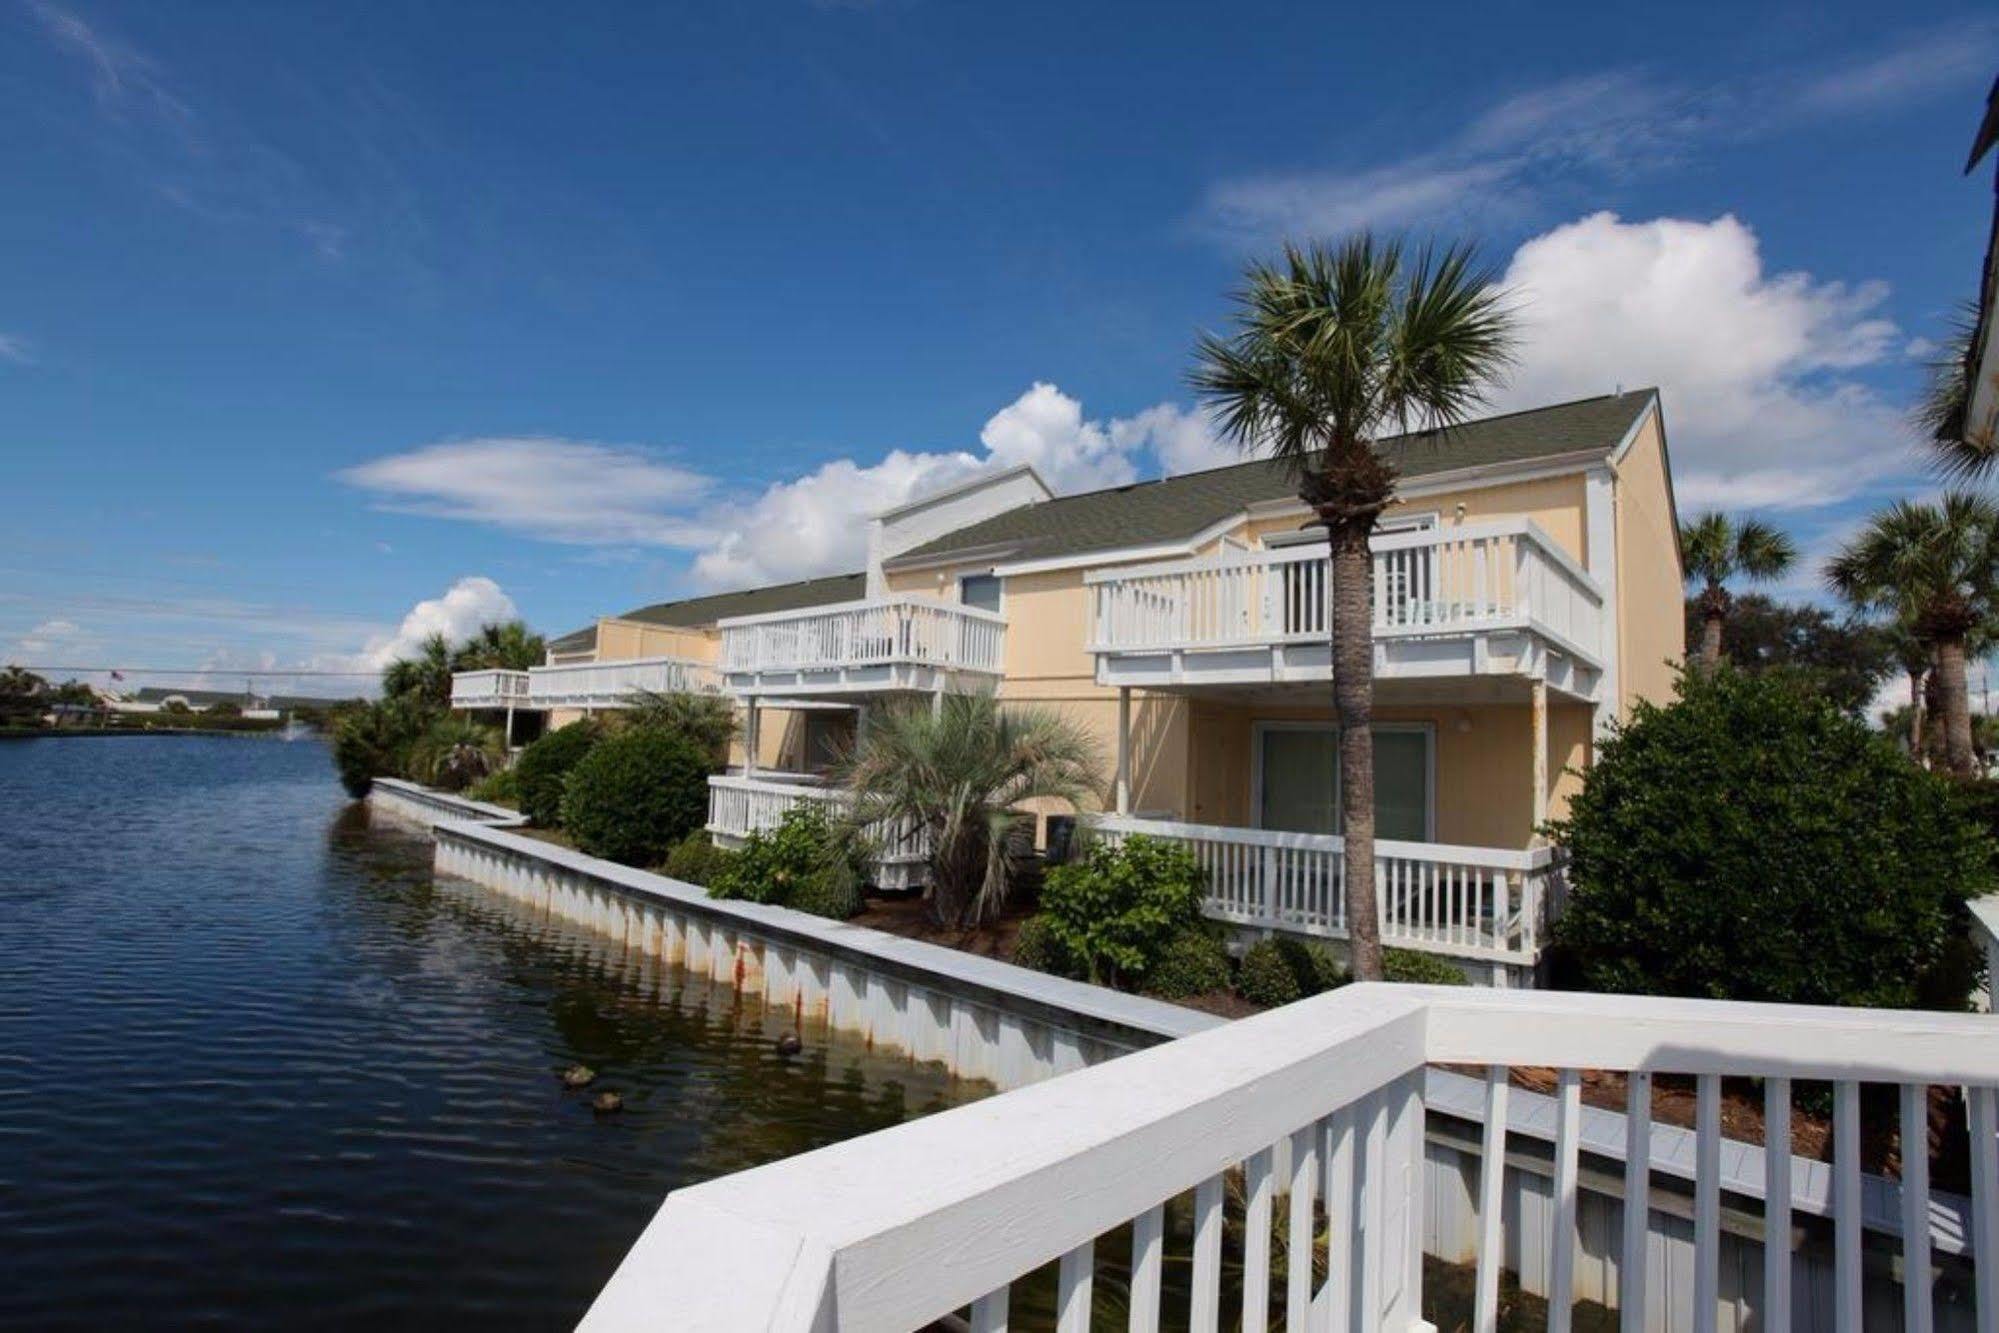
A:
(257, 1068)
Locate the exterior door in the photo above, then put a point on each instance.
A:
(1298, 781)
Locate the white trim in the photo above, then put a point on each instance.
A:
(982, 574)
(1260, 727)
(1637, 427)
(1443, 483)
(833, 608)
(976, 482)
(1600, 541)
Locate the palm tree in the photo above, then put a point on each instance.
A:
(1914, 656)
(708, 720)
(1331, 348)
(507, 645)
(1717, 548)
(426, 677)
(1935, 567)
(1942, 412)
(958, 773)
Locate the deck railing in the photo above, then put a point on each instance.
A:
(1311, 1116)
(489, 689)
(871, 633)
(612, 684)
(739, 806)
(1443, 581)
(1479, 904)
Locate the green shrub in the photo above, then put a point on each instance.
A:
(1117, 909)
(1746, 842)
(1282, 969)
(544, 767)
(502, 788)
(804, 862)
(1419, 969)
(373, 740)
(635, 795)
(696, 859)
(1037, 947)
(1194, 963)
(455, 752)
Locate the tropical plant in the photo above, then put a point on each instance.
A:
(1282, 969)
(505, 645)
(426, 677)
(697, 860)
(544, 767)
(1036, 947)
(1717, 548)
(1194, 962)
(805, 862)
(1747, 842)
(708, 720)
(635, 795)
(958, 773)
(1943, 410)
(20, 695)
(1934, 567)
(1844, 658)
(1332, 347)
(455, 752)
(501, 788)
(1117, 909)
(373, 740)
(1413, 968)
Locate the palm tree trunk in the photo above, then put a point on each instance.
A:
(1353, 702)
(1710, 639)
(1933, 744)
(1916, 713)
(1959, 755)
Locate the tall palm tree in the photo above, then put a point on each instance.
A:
(1718, 548)
(1333, 347)
(1935, 566)
(507, 645)
(425, 677)
(1913, 653)
(1942, 413)
(958, 773)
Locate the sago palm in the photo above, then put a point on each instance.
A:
(1935, 567)
(1717, 548)
(958, 773)
(1332, 348)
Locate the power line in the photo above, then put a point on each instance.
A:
(198, 671)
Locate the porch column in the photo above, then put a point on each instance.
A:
(1124, 749)
(510, 726)
(751, 738)
(1540, 714)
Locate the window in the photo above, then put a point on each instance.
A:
(981, 591)
(828, 734)
(1297, 780)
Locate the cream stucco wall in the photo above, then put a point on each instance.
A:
(622, 640)
(1650, 626)
(1556, 503)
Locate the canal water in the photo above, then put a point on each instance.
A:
(258, 1068)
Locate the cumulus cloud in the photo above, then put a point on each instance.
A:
(1754, 366)
(465, 606)
(1179, 439)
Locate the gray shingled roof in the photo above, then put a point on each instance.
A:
(1176, 508)
(696, 611)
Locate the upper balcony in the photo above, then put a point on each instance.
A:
(613, 684)
(876, 646)
(1496, 598)
(489, 689)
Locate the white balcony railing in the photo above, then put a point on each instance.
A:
(1485, 576)
(1478, 904)
(489, 689)
(884, 632)
(612, 684)
(739, 806)
(1312, 1115)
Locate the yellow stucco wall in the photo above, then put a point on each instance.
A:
(1556, 503)
(1650, 627)
(622, 640)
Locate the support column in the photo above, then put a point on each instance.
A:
(510, 726)
(1124, 749)
(1540, 713)
(752, 738)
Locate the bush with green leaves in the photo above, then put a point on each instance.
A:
(1281, 969)
(635, 795)
(1036, 947)
(455, 752)
(544, 767)
(1117, 909)
(697, 860)
(374, 740)
(1420, 969)
(1195, 962)
(806, 862)
(502, 788)
(1746, 842)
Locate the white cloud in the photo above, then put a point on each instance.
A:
(14, 348)
(1751, 364)
(1911, 69)
(468, 604)
(1181, 440)
(1045, 427)
(557, 490)
(46, 637)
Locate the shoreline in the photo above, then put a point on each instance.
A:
(51, 733)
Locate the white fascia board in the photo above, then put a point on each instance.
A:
(969, 555)
(1441, 483)
(1124, 555)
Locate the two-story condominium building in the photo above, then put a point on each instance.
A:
(1527, 592)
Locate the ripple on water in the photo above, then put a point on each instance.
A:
(258, 1068)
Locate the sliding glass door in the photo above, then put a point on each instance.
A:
(1297, 779)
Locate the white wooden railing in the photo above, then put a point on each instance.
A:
(869, 633)
(1985, 935)
(612, 684)
(1317, 1103)
(739, 806)
(1480, 576)
(489, 689)
(1476, 903)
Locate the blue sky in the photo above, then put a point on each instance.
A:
(321, 325)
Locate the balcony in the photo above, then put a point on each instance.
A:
(1482, 907)
(1222, 1160)
(739, 806)
(489, 689)
(877, 646)
(1480, 599)
(612, 684)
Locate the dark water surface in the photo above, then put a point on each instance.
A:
(258, 1069)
